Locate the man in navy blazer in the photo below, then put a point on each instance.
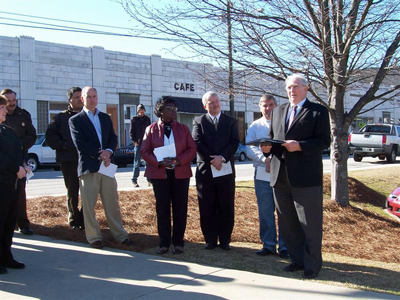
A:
(94, 137)
(216, 136)
(296, 174)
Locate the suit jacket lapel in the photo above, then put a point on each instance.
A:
(211, 124)
(89, 125)
(301, 113)
(284, 112)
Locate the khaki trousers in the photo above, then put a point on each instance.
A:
(91, 185)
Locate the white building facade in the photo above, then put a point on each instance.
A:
(41, 73)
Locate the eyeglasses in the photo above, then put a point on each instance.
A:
(172, 108)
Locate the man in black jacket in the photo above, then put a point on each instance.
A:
(138, 126)
(296, 174)
(217, 138)
(58, 137)
(20, 120)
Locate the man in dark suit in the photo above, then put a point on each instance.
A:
(216, 137)
(296, 174)
(94, 137)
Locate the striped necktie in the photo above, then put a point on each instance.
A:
(215, 123)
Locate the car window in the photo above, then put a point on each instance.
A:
(377, 129)
(39, 139)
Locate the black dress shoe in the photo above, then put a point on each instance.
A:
(264, 252)
(309, 274)
(162, 250)
(3, 270)
(178, 250)
(26, 231)
(14, 264)
(293, 268)
(127, 242)
(284, 254)
(210, 246)
(225, 247)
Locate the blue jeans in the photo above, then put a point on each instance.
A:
(136, 163)
(266, 213)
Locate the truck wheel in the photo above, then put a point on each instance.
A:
(391, 158)
(357, 157)
(32, 163)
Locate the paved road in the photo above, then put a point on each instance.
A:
(48, 182)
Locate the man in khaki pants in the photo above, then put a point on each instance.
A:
(94, 137)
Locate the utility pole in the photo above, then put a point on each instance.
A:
(230, 60)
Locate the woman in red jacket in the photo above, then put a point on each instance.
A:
(170, 175)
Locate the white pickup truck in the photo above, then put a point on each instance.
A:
(376, 140)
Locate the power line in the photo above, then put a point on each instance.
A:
(61, 20)
(89, 31)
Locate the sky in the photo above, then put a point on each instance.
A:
(103, 12)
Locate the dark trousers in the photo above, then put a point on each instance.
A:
(22, 216)
(71, 180)
(217, 207)
(300, 219)
(175, 191)
(8, 216)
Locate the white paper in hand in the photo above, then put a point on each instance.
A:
(165, 151)
(225, 170)
(108, 171)
(262, 174)
(29, 176)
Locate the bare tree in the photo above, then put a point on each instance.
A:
(336, 44)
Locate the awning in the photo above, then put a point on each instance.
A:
(189, 105)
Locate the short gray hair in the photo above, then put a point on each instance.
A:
(86, 89)
(302, 78)
(207, 96)
(267, 97)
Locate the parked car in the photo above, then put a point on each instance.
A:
(40, 155)
(393, 202)
(124, 156)
(240, 153)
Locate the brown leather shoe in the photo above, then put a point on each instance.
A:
(97, 245)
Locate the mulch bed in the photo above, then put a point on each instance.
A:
(349, 231)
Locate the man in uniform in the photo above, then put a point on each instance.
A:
(20, 120)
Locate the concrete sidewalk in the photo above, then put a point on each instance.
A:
(68, 270)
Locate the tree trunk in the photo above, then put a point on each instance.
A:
(339, 156)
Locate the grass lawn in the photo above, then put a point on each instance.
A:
(360, 245)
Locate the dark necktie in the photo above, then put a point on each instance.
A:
(215, 123)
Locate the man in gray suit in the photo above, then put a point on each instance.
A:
(296, 174)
